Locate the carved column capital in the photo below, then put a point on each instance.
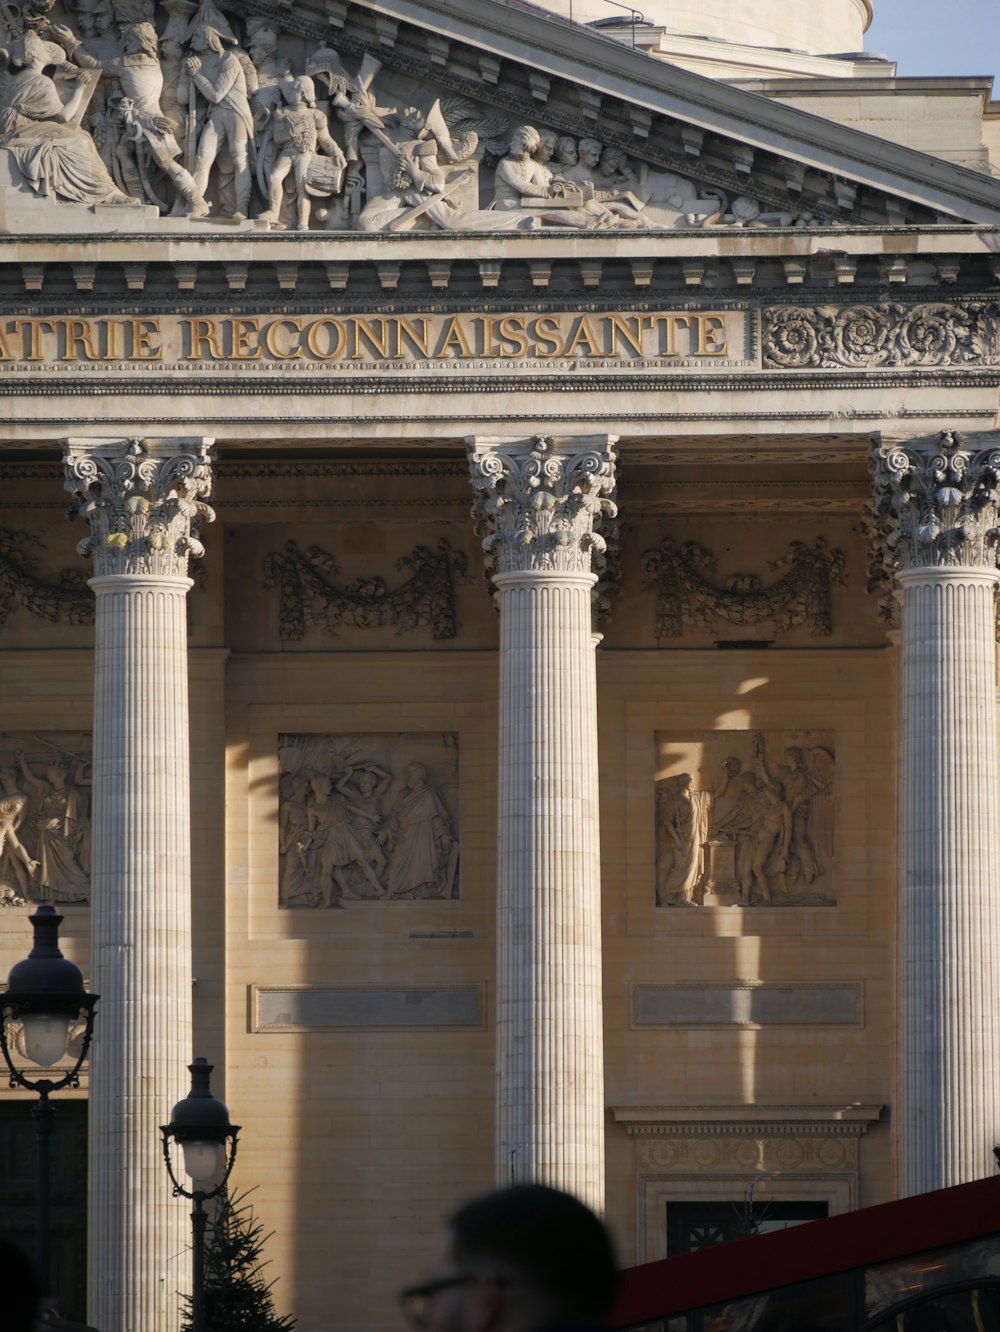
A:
(936, 503)
(540, 503)
(145, 500)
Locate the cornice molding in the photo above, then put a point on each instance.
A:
(751, 1121)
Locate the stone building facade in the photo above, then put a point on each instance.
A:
(523, 701)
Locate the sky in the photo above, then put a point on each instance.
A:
(938, 36)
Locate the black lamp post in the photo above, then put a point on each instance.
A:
(45, 997)
(200, 1124)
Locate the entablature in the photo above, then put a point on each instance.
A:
(317, 266)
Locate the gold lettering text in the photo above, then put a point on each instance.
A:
(547, 335)
(582, 332)
(142, 348)
(378, 341)
(335, 339)
(204, 333)
(79, 336)
(629, 327)
(417, 338)
(454, 336)
(291, 353)
(33, 330)
(712, 340)
(512, 331)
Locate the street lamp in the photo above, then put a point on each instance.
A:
(45, 998)
(200, 1125)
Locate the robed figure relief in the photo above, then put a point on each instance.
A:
(758, 832)
(44, 818)
(361, 819)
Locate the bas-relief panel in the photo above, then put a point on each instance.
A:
(744, 819)
(197, 113)
(44, 817)
(367, 817)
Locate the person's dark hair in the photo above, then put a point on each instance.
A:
(547, 1239)
(20, 1290)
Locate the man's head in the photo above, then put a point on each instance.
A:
(519, 1260)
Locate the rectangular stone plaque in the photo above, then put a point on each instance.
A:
(374, 1008)
(766, 1005)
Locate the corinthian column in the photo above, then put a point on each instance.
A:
(936, 523)
(143, 500)
(540, 503)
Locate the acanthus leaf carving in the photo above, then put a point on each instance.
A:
(144, 501)
(311, 597)
(541, 505)
(936, 505)
(800, 595)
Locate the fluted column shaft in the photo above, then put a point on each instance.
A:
(141, 501)
(542, 503)
(550, 1077)
(949, 1112)
(938, 504)
(139, 1240)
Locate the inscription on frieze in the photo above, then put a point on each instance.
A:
(349, 343)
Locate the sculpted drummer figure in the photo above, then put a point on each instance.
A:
(300, 131)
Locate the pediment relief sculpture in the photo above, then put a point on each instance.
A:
(198, 113)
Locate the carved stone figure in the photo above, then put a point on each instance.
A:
(762, 837)
(332, 845)
(62, 832)
(363, 785)
(424, 853)
(147, 129)
(43, 135)
(683, 816)
(296, 882)
(300, 132)
(355, 828)
(195, 117)
(17, 868)
(219, 76)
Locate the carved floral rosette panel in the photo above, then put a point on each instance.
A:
(187, 111)
(45, 782)
(885, 336)
(367, 817)
(745, 819)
